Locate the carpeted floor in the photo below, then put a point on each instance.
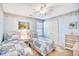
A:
(68, 52)
(57, 52)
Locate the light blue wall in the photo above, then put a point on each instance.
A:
(1, 23)
(64, 29)
(63, 26)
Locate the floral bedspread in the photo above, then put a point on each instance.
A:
(15, 48)
(43, 45)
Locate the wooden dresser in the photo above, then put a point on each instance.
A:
(70, 41)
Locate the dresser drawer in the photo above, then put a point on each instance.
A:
(69, 45)
(72, 37)
(70, 41)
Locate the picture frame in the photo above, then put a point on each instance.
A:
(23, 25)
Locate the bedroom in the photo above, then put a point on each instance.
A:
(50, 29)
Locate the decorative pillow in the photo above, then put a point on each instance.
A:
(12, 35)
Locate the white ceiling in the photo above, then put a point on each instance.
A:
(33, 9)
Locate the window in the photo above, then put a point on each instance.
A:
(40, 30)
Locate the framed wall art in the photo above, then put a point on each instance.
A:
(23, 25)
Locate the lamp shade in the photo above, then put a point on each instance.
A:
(24, 35)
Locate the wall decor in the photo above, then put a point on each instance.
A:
(23, 25)
(73, 25)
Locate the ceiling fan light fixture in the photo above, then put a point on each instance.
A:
(42, 12)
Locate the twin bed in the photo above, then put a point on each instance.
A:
(42, 45)
(16, 47)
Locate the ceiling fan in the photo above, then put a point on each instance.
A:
(42, 10)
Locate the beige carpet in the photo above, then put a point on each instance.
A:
(68, 52)
(57, 52)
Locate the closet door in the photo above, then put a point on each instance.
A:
(51, 29)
